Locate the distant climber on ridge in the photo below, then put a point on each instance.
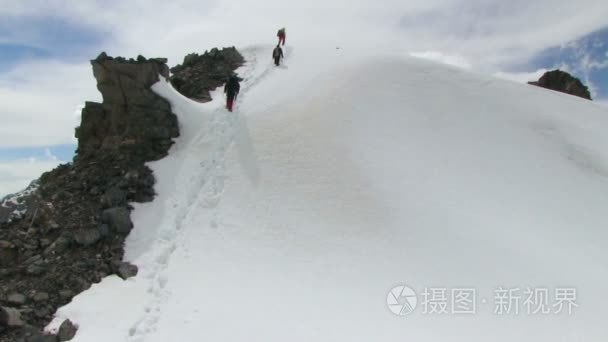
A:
(231, 89)
(277, 54)
(281, 35)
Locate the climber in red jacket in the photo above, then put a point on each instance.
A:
(281, 35)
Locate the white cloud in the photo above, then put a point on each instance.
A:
(603, 102)
(521, 77)
(38, 100)
(16, 175)
(49, 155)
(597, 65)
(486, 33)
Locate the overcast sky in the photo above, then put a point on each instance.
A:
(45, 46)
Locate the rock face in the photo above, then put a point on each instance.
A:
(199, 74)
(131, 113)
(67, 230)
(71, 233)
(563, 82)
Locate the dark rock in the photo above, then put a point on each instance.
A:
(16, 299)
(118, 219)
(10, 318)
(42, 338)
(6, 245)
(45, 243)
(82, 283)
(113, 198)
(36, 259)
(42, 312)
(67, 331)
(59, 246)
(102, 57)
(41, 297)
(131, 113)
(5, 213)
(30, 246)
(66, 294)
(35, 270)
(104, 230)
(125, 270)
(563, 82)
(8, 253)
(87, 237)
(199, 74)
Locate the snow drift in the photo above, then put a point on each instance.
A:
(342, 175)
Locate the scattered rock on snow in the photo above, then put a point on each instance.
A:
(67, 331)
(125, 270)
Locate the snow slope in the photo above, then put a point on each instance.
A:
(341, 175)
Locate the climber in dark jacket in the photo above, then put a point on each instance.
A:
(277, 54)
(231, 89)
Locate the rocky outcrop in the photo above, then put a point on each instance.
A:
(71, 232)
(63, 246)
(563, 82)
(199, 74)
(131, 113)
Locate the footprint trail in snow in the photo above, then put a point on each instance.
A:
(199, 181)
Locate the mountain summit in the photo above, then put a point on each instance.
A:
(342, 176)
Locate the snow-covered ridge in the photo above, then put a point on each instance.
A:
(341, 175)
